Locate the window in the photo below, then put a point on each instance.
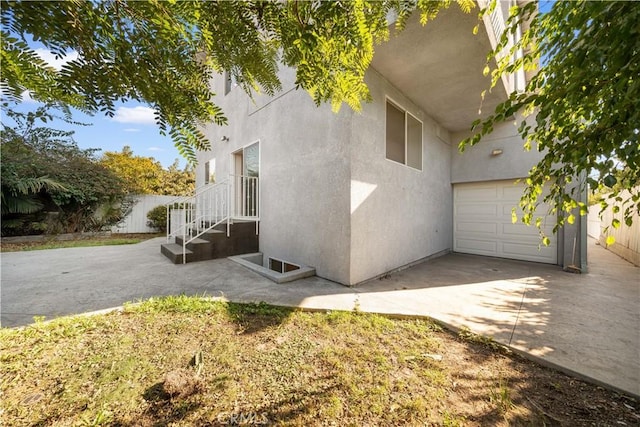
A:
(210, 171)
(281, 266)
(246, 167)
(229, 82)
(403, 137)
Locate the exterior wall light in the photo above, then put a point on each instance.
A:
(496, 152)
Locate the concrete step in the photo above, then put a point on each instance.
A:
(214, 235)
(173, 251)
(195, 242)
(215, 243)
(202, 249)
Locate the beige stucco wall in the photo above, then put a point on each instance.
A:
(330, 199)
(398, 214)
(304, 173)
(477, 163)
(315, 167)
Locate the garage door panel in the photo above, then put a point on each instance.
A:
(477, 209)
(479, 193)
(511, 192)
(507, 207)
(522, 229)
(482, 223)
(529, 252)
(478, 227)
(541, 211)
(481, 247)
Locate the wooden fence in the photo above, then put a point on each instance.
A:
(627, 244)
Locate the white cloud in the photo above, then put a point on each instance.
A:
(131, 130)
(56, 63)
(156, 149)
(26, 97)
(139, 114)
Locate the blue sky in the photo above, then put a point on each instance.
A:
(132, 125)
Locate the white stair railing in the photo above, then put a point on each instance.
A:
(246, 202)
(211, 205)
(191, 217)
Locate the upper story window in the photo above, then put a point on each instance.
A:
(403, 137)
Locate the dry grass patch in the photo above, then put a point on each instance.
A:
(192, 361)
(80, 242)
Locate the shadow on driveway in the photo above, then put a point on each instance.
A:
(586, 324)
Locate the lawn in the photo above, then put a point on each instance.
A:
(114, 239)
(196, 361)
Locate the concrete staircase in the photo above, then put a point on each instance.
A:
(215, 243)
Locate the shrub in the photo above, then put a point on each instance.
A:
(51, 185)
(158, 218)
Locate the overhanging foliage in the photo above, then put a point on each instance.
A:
(164, 53)
(584, 100)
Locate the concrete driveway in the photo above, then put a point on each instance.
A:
(588, 324)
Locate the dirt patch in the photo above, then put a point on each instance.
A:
(181, 383)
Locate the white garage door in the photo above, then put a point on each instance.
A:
(482, 223)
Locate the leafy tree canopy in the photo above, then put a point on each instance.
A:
(585, 98)
(176, 181)
(45, 185)
(140, 174)
(145, 175)
(164, 53)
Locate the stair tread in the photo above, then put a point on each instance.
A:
(198, 240)
(176, 248)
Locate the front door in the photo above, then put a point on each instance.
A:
(245, 181)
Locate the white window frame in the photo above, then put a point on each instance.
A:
(233, 172)
(229, 82)
(406, 146)
(207, 171)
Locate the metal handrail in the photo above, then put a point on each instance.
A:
(196, 191)
(246, 201)
(189, 203)
(211, 209)
(212, 205)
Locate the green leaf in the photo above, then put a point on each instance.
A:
(582, 99)
(610, 240)
(610, 181)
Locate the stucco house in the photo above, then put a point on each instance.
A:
(357, 195)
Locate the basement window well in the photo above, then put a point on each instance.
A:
(281, 266)
(274, 269)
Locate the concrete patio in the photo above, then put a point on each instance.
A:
(588, 324)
